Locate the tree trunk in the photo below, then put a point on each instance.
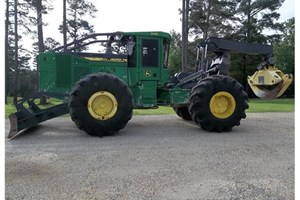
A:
(75, 30)
(43, 100)
(183, 40)
(6, 50)
(248, 22)
(16, 53)
(248, 40)
(65, 24)
(207, 21)
(245, 74)
(39, 9)
(185, 33)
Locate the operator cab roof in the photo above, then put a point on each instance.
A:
(150, 34)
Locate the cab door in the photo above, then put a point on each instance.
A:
(149, 72)
(150, 59)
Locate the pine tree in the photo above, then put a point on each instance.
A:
(175, 53)
(211, 17)
(255, 16)
(77, 23)
(40, 8)
(18, 26)
(7, 22)
(284, 52)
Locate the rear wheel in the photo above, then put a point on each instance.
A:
(100, 104)
(183, 112)
(218, 103)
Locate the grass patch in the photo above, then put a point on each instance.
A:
(9, 108)
(271, 105)
(255, 105)
(162, 110)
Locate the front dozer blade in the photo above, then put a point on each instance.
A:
(269, 83)
(13, 126)
(28, 117)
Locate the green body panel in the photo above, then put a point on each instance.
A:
(147, 79)
(175, 96)
(59, 72)
(145, 94)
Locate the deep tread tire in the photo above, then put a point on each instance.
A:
(183, 112)
(88, 86)
(201, 95)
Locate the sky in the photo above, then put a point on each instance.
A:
(136, 15)
(126, 16)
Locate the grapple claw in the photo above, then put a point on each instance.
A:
(269, 83)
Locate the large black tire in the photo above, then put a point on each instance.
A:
(107, 95)
(183, 112)
(218, 103)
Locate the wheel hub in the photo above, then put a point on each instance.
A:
(102, 105)
(222, 105)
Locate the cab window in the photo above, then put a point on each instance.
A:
(150, 53)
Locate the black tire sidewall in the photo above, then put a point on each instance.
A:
(231, 89)
(205, 90)
(183, 112)
(88, 86)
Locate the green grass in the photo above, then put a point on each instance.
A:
(271, 105)
(255, 105)
(162, 110)
(9, 108)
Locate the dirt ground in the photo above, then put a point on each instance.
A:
(154, 157)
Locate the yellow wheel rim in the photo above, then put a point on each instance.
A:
(222, 105)
(102, 105)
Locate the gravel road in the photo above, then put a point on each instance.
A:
(154, 157)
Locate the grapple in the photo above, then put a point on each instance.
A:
(269, 82)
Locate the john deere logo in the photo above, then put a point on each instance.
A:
(147, 73)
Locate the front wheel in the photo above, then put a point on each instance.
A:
(218, 103)
(100, 104)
